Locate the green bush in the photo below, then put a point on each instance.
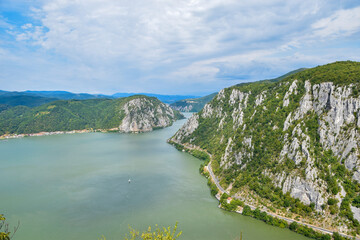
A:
(356, 201)
(247, 211)
(332, 201)
(333, 209)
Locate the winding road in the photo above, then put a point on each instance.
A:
(213, 177)
(289, 220)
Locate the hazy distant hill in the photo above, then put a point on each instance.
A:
(64, 95)
(25, 100)
(37, 98)
(164, 98)
(192, 104)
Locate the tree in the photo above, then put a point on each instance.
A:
(157, 234)
(246, 211)
(293, 226)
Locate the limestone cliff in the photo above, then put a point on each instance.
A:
(297, 138)
(143, 114)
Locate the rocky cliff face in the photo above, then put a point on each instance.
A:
(301, 135)
(143, 114)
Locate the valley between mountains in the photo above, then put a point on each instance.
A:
(289, 146)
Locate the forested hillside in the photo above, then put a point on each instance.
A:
(65, 115)
(290, 145)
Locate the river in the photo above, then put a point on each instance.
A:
(76, 186)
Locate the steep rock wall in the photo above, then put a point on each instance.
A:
(299, 132)
(144, 114)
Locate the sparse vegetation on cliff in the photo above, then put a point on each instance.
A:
(290, 143)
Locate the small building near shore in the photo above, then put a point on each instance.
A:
(229, 200)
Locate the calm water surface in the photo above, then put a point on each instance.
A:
(76, 187)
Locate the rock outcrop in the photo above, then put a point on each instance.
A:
(143, 114)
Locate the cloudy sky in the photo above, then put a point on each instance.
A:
(168, 46)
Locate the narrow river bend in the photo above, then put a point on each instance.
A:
(76, 187)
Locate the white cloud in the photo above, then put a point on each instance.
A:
(341, 23)
(30, 32)
(164, 45)
(166, 31)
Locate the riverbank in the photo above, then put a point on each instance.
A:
(290, 222)
(39, 134)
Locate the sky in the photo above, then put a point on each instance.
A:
(168, 46)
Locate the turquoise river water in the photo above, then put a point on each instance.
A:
(76, 187)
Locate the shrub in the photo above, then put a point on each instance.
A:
(332, 201)
(156, 234)
(293, 226)
(247, 211)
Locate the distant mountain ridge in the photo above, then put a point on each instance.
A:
(164, 98)
(25, 100)
(37, 98)
(64, 95)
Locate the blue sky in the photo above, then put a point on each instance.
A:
(168, 47)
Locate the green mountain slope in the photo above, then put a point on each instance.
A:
(24, 100)
(196, 104)
(292, 145)
(65, 115)
(192, 104)
(63, 95)
(4, 107)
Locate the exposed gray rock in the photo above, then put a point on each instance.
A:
(222, 122)
(141, 115)
(260, 98)
(188, 128)
(287, 122)
(303, 190)
(187, 108)
(292, 89)
(337, 109)
(228, 152)
(221, 95)
(356, 212)
(241, 100)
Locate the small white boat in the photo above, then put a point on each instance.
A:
(129, 180)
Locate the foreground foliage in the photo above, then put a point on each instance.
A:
(5, 233)
(153, 234)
